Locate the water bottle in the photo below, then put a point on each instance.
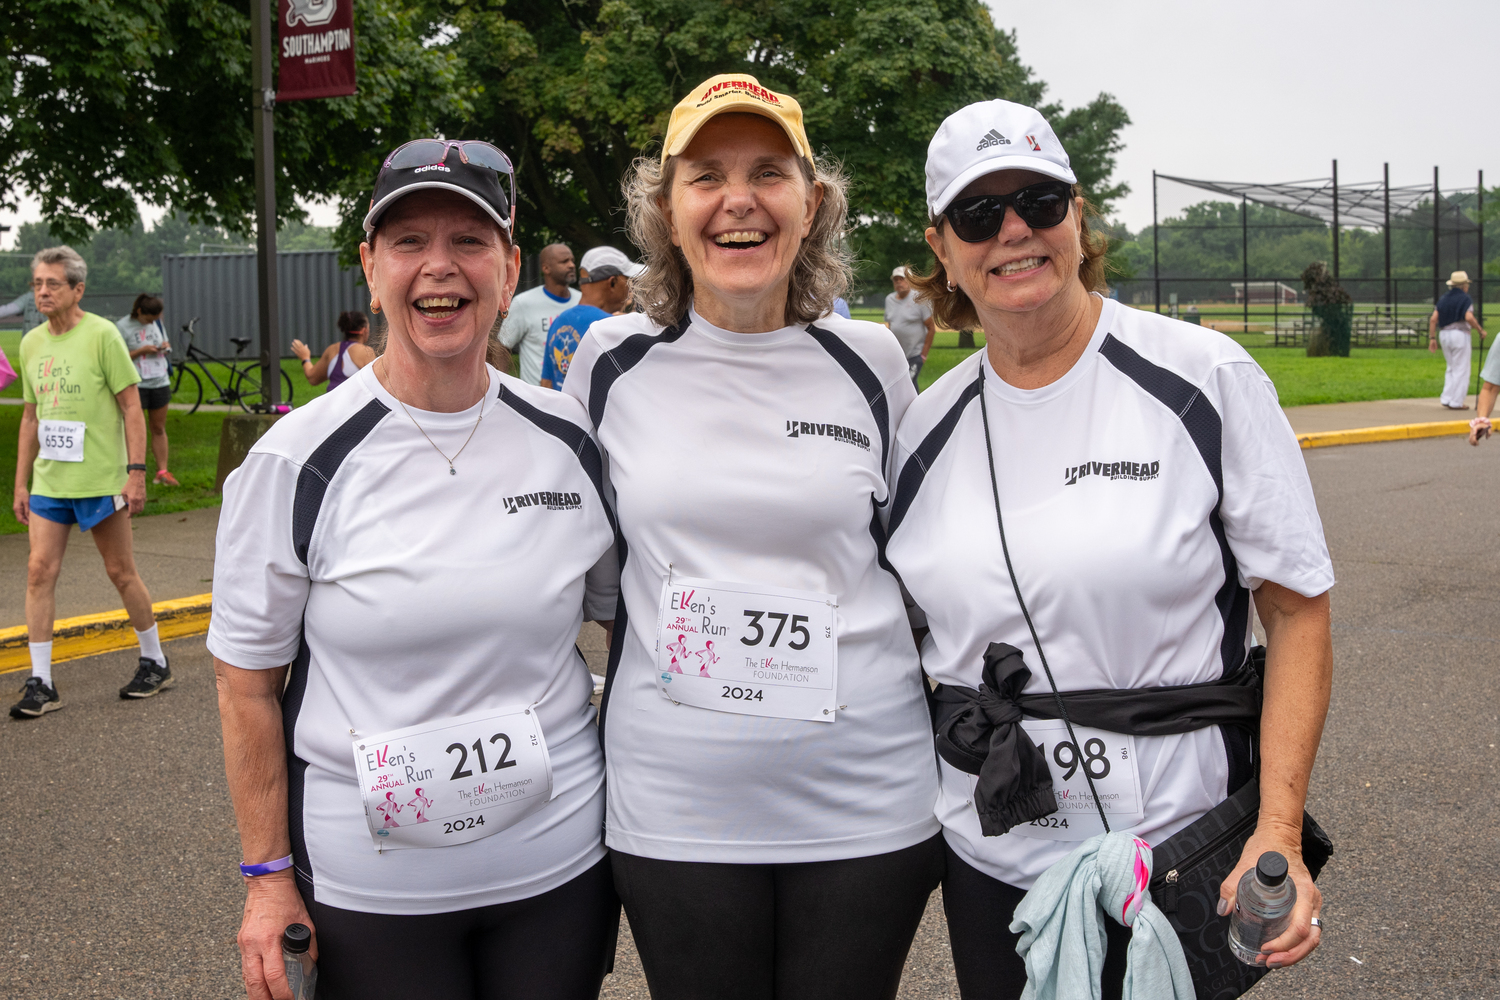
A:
(1262, 908)
(301, 973)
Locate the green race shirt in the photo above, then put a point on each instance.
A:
(75, 377)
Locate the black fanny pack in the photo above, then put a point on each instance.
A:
(1188, 867)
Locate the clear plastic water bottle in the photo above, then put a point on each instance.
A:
(301, 973)
(1262, 908)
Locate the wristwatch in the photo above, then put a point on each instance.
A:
(135, 467)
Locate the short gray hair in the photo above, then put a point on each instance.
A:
(74, 267)
(821, 271)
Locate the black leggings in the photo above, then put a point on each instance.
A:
(555, 946)
(979, 910)
(821, 930)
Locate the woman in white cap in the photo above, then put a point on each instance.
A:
(910, 319)
(1148, 484)
(770, 795)
(1449, 327)
(403, 566)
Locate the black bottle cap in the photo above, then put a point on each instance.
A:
(1270, 870)
(296, 938)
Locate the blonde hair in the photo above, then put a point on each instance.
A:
(954, 311)
(821, 271)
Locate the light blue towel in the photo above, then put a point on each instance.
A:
(1062, 931)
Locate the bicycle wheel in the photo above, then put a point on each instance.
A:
(248, 392)
(187, 387)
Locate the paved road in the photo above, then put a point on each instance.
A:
(117, 844)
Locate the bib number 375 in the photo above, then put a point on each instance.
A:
(748, 649)
(452, 781)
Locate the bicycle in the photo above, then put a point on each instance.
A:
(241, 386)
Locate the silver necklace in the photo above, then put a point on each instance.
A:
(451, 470)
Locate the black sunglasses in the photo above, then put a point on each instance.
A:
(1040, 206)
(429, 152)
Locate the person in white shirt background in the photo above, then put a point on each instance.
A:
(403, 566)
(770, 817)
(1150, 484)
(148, 344)
(910, 319)
(531, 313)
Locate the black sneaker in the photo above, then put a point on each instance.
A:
(150, 677)
(36, 699)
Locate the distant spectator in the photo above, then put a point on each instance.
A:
(531, 313)
(25, 307)
(1454, 316)
(604, 285)
(341, 360)
(147, 342)
(911, 321)
(841, 308)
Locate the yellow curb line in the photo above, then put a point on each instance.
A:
(1391, 432)
(90, 635)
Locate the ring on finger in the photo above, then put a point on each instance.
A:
(1317, 922)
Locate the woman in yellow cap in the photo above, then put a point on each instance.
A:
(768, 748)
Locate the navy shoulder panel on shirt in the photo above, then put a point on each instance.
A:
(616, 361)
(865, 380)
(1205, 427)
(570, 434)
(914, 472)
(322, 465)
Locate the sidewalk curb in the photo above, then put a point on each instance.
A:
(1391, 432)
(90, 635)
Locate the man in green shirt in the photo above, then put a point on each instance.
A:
(82, 451)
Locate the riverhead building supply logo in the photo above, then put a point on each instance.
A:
(807, 428)
(545, 500)
(1137, 471)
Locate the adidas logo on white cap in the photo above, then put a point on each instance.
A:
(991, 138)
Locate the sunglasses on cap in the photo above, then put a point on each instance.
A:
(431, 152)
(1040, 206)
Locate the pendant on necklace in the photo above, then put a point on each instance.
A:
(452, 471)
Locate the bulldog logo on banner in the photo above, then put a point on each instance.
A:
(317, 49)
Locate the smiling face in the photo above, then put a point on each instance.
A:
(1020, 269)
(739, 208)
(441, 272)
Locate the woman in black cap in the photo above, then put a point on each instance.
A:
(403, 568)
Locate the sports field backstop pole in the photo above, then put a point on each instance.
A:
(1155, 244)
(1335, 220)
(1245, 257)
(1437, 226)
(1389, 303)
(1479, 281)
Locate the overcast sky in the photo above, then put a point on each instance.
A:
(1266, 91)
(1274, 90)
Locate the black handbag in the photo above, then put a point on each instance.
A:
(1188, 867)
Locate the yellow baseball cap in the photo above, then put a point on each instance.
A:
(733, 92)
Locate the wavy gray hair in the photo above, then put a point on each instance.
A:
(75, 269)
(821, 271)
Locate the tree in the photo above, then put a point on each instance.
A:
(111, 102)
(575, 93)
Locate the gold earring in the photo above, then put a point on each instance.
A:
(375, 308)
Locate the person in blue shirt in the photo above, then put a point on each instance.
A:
(1450, 322)
(604, 279)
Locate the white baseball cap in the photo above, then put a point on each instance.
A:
(985, 138)
(603, 263)
(900, 272)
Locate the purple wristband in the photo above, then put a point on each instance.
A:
(266, 868)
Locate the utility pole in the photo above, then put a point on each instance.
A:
(263, 104)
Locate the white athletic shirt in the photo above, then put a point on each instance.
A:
(1109, 500)
(401, 594)
(730, 459)
(527, 323)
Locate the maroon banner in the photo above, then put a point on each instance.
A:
(317, 49)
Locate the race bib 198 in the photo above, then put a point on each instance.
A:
(61, 440)
(748, 649)
(452, 781)
(1111, 761)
